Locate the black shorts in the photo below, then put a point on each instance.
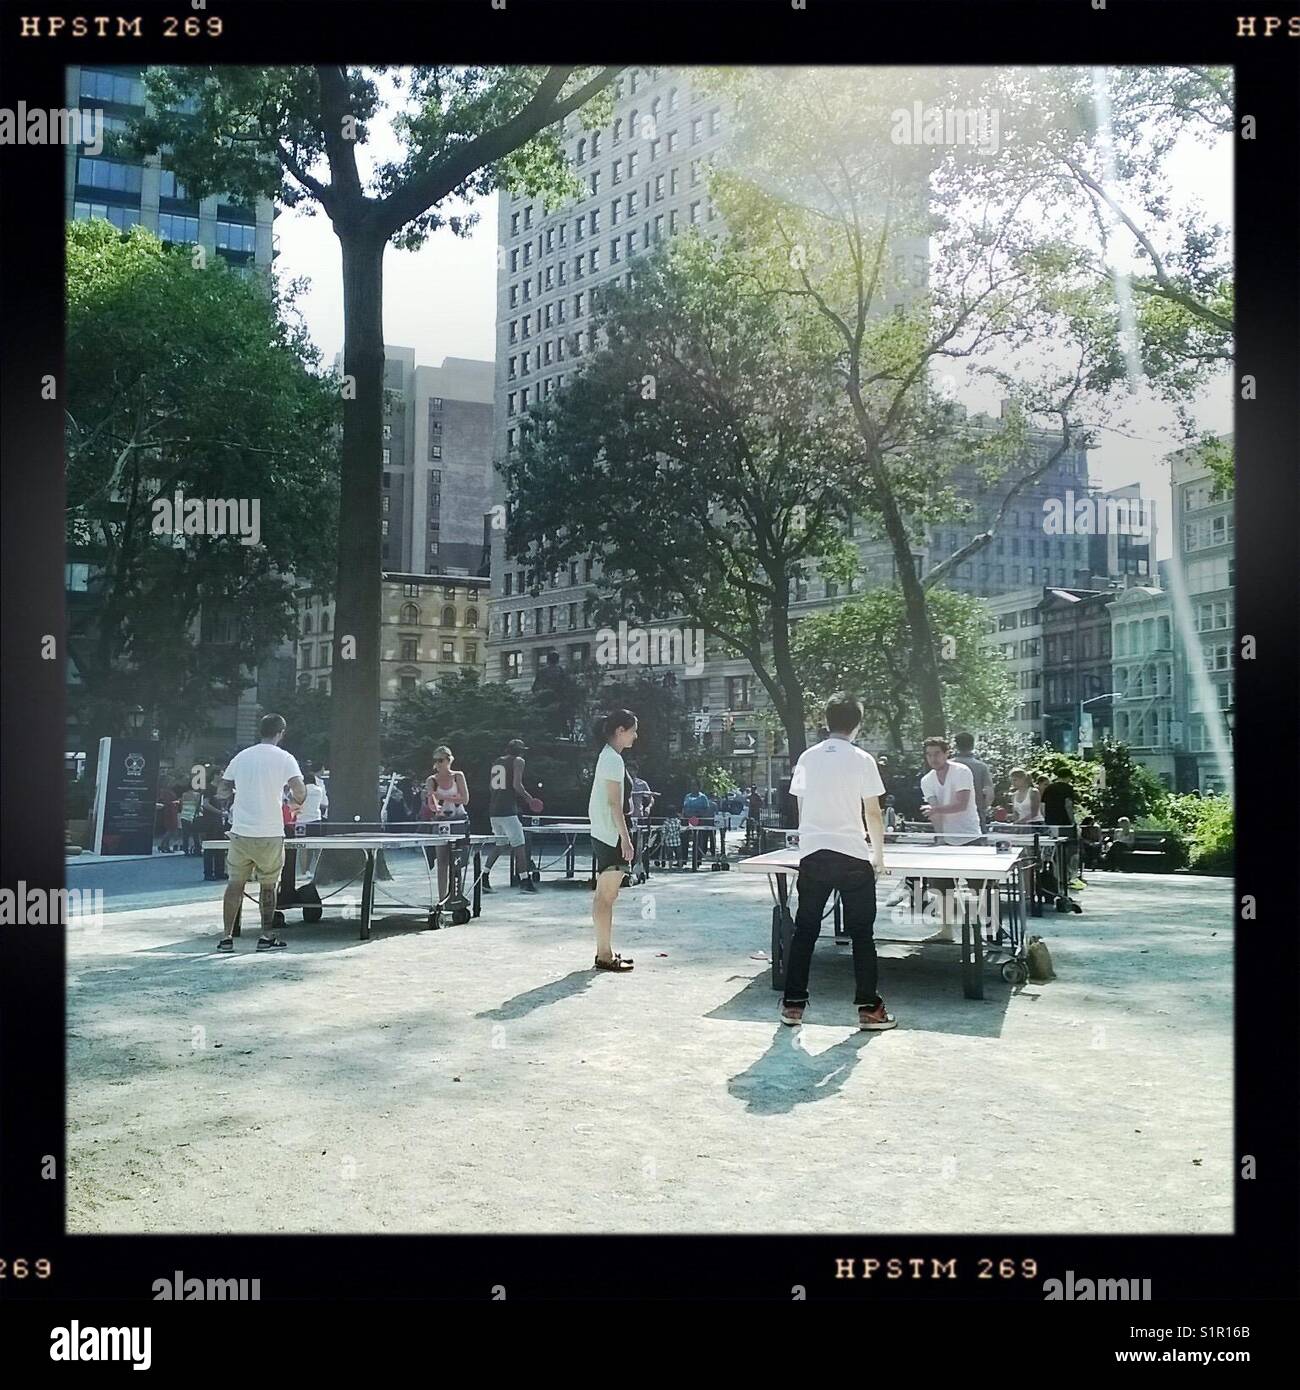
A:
(607, 856)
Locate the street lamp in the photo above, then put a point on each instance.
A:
(1082, 704)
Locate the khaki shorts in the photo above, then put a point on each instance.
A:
(256, 856)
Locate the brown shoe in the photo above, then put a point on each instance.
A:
(792, 1014)
(616, 963)
(876, 1020)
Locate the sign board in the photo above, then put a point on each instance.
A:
(126, 792)
(701, 725)
(1085, 730)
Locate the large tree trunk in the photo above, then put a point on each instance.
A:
(793, 715)
(924, 660)
(354, 729)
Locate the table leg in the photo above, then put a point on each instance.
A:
(367, 893)
(972, 955)
(782, 931)
(478, 884)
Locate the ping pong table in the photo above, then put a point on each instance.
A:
(1002, 870)
(569, 831)
(428, 838)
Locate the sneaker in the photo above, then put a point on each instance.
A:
(792, 1014)
(485, 886)
(876, 1020)
(527, 885)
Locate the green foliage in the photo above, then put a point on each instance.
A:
(307, 735)
(731, 440)
(1206, 823)
(476, 719)
(1064, 767)
(659, 714)
(863, 647)
(266, 132)
(1130, 789)
(199, 382)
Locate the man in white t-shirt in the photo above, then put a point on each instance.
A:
(951, 807)
(839, 788)
(259, 776)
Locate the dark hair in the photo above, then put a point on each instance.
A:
(271, 725)
(843, 714)
(964, 742)
(934, 741)
(309, 779)
(607, 725)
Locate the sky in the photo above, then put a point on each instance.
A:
(441, 301)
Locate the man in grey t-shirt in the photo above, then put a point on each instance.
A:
(980, 772)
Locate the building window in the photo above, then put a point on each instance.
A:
(739, 692)
(449, 617)
(410, 649)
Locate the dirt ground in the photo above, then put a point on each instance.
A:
(484, 1079)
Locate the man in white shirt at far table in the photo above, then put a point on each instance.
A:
(839, 789)
(949, 793)
(259, 775)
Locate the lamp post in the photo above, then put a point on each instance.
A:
(1082, 704)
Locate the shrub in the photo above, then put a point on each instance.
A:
(1208, 825)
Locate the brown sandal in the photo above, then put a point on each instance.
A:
(617, 964)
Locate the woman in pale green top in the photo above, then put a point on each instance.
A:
(611, 840)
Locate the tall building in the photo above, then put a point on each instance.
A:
(644, 177)
(437, 463)
(431, 625)
(1202, 590)
(639, 189)
(141, 192)
(1077, 678)
(1015, 634)
(1143, 655)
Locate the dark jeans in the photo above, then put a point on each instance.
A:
(821, 874)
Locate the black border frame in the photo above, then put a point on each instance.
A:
(1259, 1262)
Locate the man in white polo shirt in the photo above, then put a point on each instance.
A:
(839, 788)
(259, 775)
(950, 805)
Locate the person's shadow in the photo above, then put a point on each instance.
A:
(787, 1075)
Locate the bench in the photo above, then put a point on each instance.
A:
(1152, 851)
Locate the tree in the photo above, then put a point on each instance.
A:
(476, 719)
(862, 648)
(197, 382)
(293, 134)
(1127, 788)
(834, 196)
(307, 714)
(702, 453)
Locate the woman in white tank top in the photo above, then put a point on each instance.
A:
(1025, 799)
(447, 798)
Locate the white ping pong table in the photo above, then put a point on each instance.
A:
(993, 918)
(456, 908)
(570, 831)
